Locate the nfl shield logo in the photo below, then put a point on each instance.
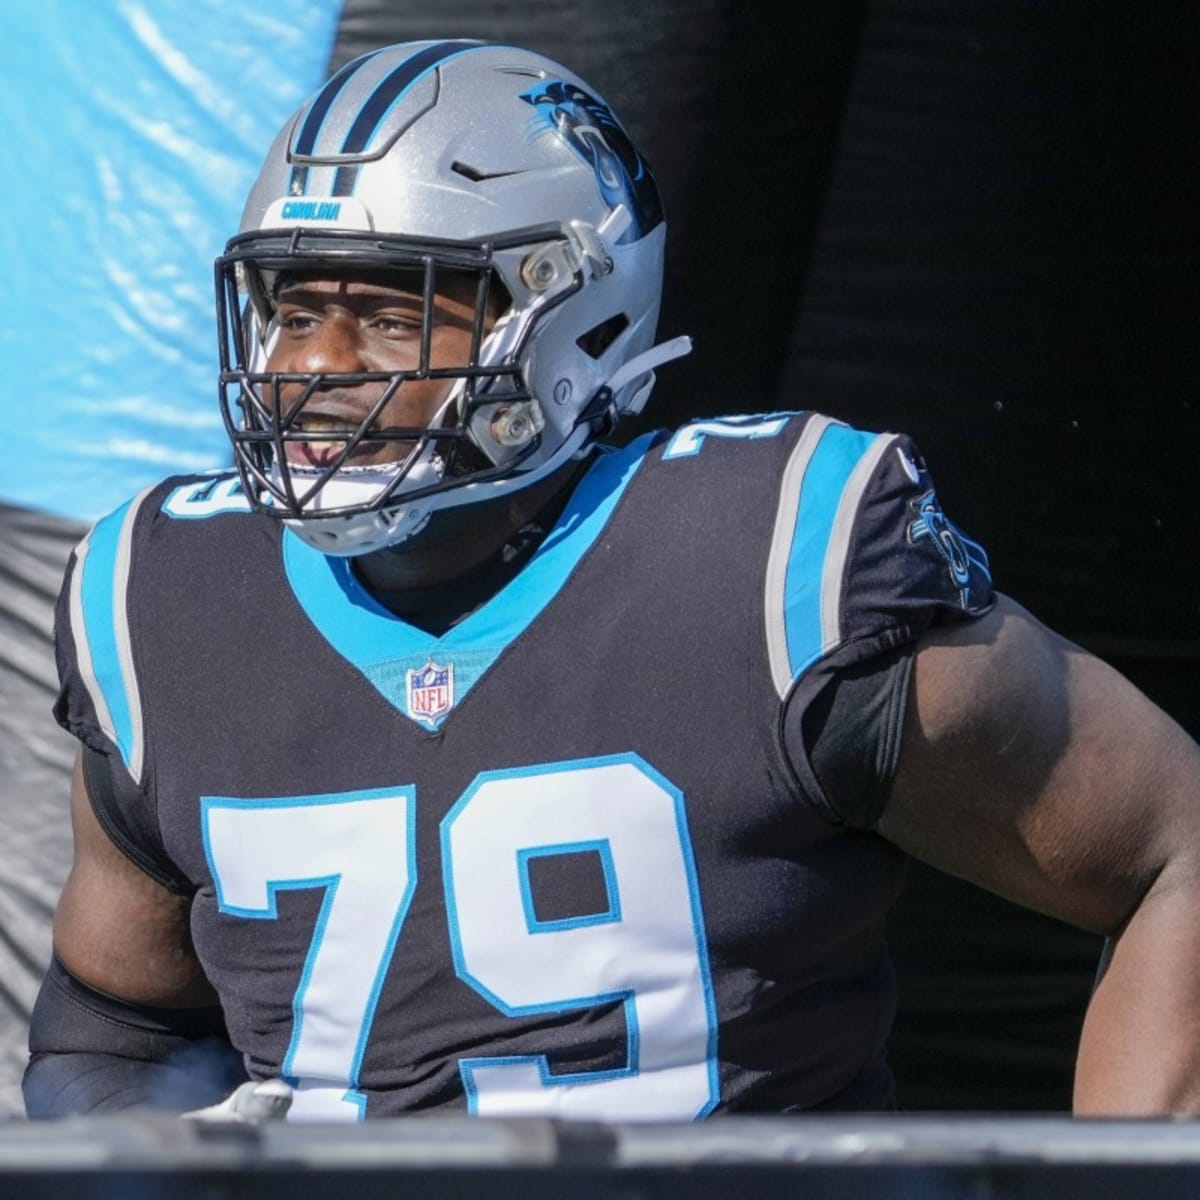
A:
(430, 692)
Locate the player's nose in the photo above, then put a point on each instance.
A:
(330, 342)
(334, 345)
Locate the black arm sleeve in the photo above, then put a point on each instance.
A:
(852, 730)
(90, 1052)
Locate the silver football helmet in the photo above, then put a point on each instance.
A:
(459, 158)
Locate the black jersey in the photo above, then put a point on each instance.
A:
(568, 858)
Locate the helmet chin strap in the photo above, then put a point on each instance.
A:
(358, 485)
(364, 533)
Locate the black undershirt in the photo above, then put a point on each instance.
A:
(437, 609)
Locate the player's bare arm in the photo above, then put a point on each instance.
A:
(1033, 769)
(125, 1017)
(118, 930)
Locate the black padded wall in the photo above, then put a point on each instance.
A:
(1006, 268)
(738, 107)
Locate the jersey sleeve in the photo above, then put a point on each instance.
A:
(907, 565)
(99, 699)
(873, 562)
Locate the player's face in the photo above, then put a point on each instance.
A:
(357, 324)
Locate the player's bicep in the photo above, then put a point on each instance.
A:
(1032, 768)
(118, 929)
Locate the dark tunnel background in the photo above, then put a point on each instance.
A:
(974, 222)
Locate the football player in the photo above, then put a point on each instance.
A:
(444, 757)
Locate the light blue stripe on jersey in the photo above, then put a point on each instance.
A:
(384, 647)
(100, 624)
(814, 523)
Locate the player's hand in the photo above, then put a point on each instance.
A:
(249, 1104)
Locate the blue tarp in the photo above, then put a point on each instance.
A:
(130, 131)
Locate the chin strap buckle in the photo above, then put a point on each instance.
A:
(600, 413)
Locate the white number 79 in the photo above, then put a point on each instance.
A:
(646, 949)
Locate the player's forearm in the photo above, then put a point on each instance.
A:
(1140, 1050)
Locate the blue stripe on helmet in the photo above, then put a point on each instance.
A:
(324, 102)
(309, 131)
(389, 91)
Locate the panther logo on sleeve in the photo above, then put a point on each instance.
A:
(966, 560)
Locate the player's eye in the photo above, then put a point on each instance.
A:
(395, 325)
(297, 321)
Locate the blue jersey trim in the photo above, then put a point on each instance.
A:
(829, 471)
(384, 648)
(104, 656)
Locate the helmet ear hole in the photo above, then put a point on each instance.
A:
(600, 337)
